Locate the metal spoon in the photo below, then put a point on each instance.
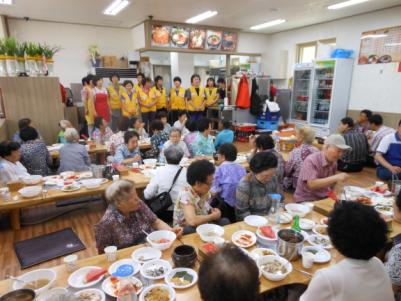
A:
(16, 279)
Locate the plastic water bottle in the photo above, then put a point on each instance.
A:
(274, 215)
(161, 156)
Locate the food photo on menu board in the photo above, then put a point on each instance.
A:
(213, 40)
(197, 38)
(160, 36)
(179, 37)
(229, 42)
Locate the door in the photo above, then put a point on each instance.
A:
(300, 96)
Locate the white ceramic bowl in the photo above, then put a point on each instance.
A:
(164, 286)
(208, 232)
(150, 162)
(297, 209)
(91, 183)
(177, 270)
(35, 275)
(145, 254)
(67, 174)
(255, 220)
(306, 224)
(30, 191)
(76, 279)
(272, 276)
(320, 228)
(156, 263)
(262, 252)
(91, 290)
(155, 236)
(51, 294)
(32, 179)
(135, 265)
(265, 240)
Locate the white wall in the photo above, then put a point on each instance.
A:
(372, 87)
(255, 43)
(138, 36)
(72, 62)
(3, 32)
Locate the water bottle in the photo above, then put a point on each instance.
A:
(274, 215)
(161, 156)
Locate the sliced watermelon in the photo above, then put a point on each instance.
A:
(210, 247)
(268, 232)
(94, 274)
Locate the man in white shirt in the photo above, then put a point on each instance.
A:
(10, 167)
(163, 178)
(358, 233)
(180, 123)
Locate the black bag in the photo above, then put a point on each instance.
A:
(256, 102)
(161, 202)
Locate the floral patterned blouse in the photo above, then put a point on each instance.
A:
(115, 141)
(188, 196)
(101, 139)
(35, 157)
(293, 166)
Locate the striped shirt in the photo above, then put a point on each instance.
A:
(360, 147)
(378, 136)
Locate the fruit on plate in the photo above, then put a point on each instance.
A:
(380, 189)
(94, 274)
(210, 247)
(364, 200)
(268, 232)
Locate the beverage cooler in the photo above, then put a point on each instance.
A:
(321, 94)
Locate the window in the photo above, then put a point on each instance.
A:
(307, 52)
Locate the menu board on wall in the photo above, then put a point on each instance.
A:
(380, 46)
(180, 36)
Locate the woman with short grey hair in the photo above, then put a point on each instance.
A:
(126, 219)
(163, 179)
(73, 156)
(175, 139)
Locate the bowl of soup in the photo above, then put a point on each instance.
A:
(37, 280)
(19, 295)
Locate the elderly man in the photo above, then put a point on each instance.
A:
(388, 155)
(73, 156)
(318, 172)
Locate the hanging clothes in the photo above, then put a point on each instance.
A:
(256, 102)
(243, 100)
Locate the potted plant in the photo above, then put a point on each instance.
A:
(3, 68)
(21, 58)
(49, 53)
(31, 51)
(40, 60)
(94, 55)
(10, 45)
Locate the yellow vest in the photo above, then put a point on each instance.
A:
(211, 96)
(161, 97)
(146, 99)
(137, 87)
(177, 102)
(115, 97)
(90, 107)
(129, 105)
(196, 99)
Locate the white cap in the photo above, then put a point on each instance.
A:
(337, 141)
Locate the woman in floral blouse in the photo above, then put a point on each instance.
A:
(305, 138)
(102, 133)
(157, 140)
(118, 138)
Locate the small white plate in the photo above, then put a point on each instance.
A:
(135, 265)
(110, 287)
(316, 230)
(255, 221)
(285, 218)
(321, 255)
(177, 270)
(76, 279)
(146, 254)
(312, 240)
(91, 290)
(235, 237)
(154, 264)
(85, 175)
(306, 224)
(74, 188)
(260, 252)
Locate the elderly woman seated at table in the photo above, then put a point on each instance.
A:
(229, 274)
(175, 139)
(73, 156)
(192, 126)
(305, 138)
(34, 154)
(126, 219)
(163, 179)
(265, 143)
(101, 133)
(11, 168)
(118, 138)
(128, 152)
(63, 124)
(157, 140)
(138, 126)
(23, 123)
(254, 189)
(192, 207)
(203, 144)
(359, 233)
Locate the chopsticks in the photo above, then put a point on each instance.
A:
(303, 272)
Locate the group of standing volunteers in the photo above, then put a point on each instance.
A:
(145, 99)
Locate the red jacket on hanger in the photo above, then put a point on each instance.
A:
(243, 100)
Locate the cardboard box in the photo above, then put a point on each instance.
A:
(109, 61)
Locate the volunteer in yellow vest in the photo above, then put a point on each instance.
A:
(212, 96)
(89, 104)
(115, 91)
(159, 94)
(147, 104)
(139, 78)
(129, 100)
(196, 98)
(177, 99)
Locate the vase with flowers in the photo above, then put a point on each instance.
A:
(20, 54)
(3, 67)
(94, 55)
(10, 45)
(49, 52)
(31, 51)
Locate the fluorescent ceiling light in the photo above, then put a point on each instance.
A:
(346, 4)
(203, 16)
(6, 2)
(392, 44)
(374, 36)
(268, 24)
(115, 7)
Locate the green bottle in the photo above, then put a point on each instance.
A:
(295, 225)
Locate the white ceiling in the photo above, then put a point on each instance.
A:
(231, 13)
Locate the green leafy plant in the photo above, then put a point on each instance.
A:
(10, 45)
(21, 47)
(2, 47)
(50, 51)
(32, 49)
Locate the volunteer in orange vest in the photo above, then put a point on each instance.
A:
(139, 78)
(159, 94)
(115, 91)
(88, 96)
(177, 99)
(212, 95)
(195, 98)
(129, 100)
(147, 104)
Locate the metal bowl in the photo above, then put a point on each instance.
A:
(20, 295)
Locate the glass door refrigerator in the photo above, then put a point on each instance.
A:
(302, 83)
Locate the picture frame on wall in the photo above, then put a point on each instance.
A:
(160, 36)
(229, 42)
(179, 37)
(197, 38)
(213, 39)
